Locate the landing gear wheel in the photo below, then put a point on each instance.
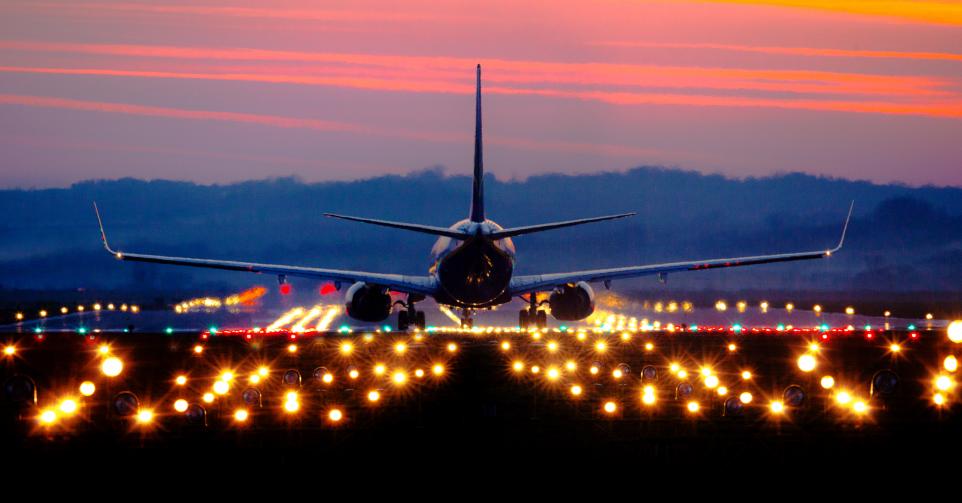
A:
(523, 319)
(542, 320)
(419, 320)
(402, 321)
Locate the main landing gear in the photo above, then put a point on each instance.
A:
(409, 315)
(532, 316)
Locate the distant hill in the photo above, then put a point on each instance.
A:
(901, 237)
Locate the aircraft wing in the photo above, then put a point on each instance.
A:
(540, 282)
(402, 283)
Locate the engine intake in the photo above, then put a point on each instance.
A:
(367, 302)
(572, 302)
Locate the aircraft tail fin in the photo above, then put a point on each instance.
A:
(477, 192)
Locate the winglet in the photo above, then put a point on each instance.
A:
(103, 234)
(841, 241)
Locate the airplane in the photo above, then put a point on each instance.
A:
(473, 266)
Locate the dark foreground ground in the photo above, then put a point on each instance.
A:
(480, 408)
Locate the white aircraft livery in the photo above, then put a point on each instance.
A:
(473, 267)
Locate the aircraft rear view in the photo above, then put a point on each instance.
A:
(473, 266)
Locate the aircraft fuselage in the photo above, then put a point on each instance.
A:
(473, 272)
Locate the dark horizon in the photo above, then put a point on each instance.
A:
(901, 237)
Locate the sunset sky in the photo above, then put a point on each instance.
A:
(217, 91)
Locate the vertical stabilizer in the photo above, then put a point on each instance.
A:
(477, 192)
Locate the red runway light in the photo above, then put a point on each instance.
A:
(285, 289)
(327, 289)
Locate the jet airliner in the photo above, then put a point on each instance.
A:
(473, 266)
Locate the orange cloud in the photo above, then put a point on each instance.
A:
(257, 13)
(322, 125)
(607, 82)
(790, 51)
(946, 12)
(177, 113)
(908, 90)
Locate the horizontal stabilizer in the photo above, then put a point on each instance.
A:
(516, 231)
(426, 229)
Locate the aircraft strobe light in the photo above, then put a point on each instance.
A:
(806, 362)
(955, 331)
(112, 366)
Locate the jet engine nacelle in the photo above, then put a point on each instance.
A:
(367, 302)
(572, 302)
